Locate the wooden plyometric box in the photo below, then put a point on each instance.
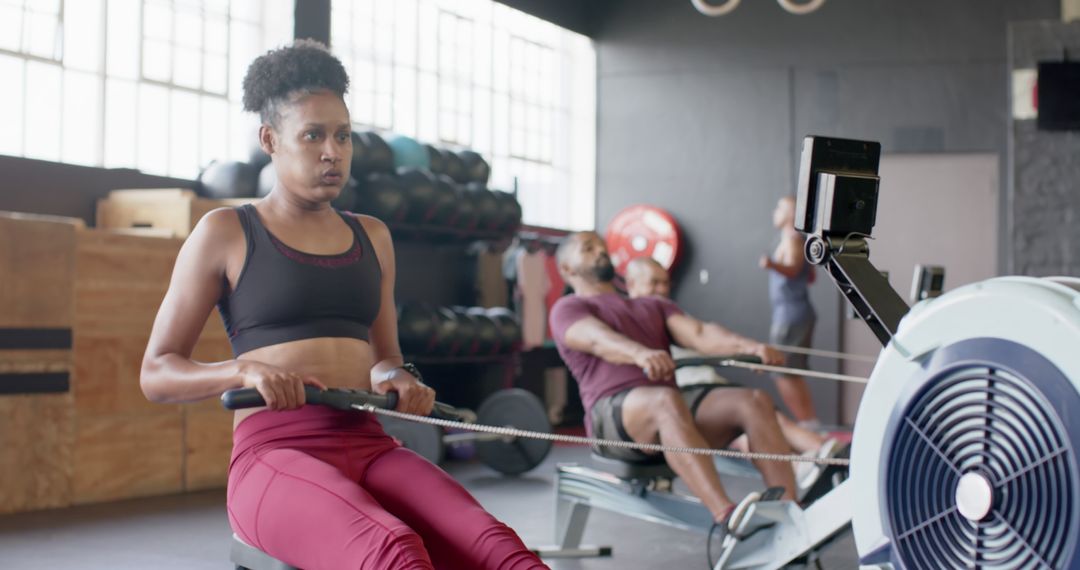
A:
(36, 446)
(207, 447)
(97, 438)
(122, 456)
(120, 281)
(173, 210)
(37, 266)
(119, 285)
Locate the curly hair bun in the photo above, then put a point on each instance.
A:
(305, 66)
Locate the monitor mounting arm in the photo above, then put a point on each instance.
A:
(835, 208)
(868, 291)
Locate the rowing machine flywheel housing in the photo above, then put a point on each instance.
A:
(964, 450)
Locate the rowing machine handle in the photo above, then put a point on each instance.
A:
(448, 412)
(341, 399)
(717, 361)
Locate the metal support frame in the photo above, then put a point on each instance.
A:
(248, 557)
(779, 532)
(570, 519)
(776, 532)
(868, 291)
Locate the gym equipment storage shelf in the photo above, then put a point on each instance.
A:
(452, 360)
(418, 232)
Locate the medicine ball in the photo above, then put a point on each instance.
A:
(487, 332)
(509, 211)
(454, 166)
(436, 164)
(468, 332)
(257, 157)
(377, 155)
(358, 166)
(267, 180)
(408, 152)
(419, 187)
(487, 207)
(347, 200)
(417, 328)
(445, 205)
(467, 214)
(380, 195)
(509, 328)
(448, 340)
(476, 168)
(229, 179)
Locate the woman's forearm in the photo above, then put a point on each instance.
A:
(171, 378)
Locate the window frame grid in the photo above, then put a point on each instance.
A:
(103, 77)
(26, 56)
(546, 155)
(227, 97)
(454, 79)
(547, 111)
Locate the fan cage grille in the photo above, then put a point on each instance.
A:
(988, 421)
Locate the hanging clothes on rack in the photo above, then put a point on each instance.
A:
(532, 283)
(491, 285)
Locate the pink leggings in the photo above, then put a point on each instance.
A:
(320, 488)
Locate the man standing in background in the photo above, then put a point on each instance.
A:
(793, 316)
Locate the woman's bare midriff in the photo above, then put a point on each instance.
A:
(336, 362)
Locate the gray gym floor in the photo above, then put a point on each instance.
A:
(191, 532)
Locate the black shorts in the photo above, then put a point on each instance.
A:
(793, 334)
(606, 418)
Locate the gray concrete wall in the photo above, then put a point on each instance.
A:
(703, 117)
(1044, 174)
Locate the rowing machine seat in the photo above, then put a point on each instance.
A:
(247, 557)
(632, 470)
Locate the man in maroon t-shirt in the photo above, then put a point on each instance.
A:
(618, 351)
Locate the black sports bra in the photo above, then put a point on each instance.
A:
(283, 294)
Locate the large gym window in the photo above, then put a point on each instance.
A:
(478, 74)
(147, 84)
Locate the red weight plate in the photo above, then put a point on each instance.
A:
(643, 230)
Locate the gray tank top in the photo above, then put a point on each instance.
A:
(790, 297)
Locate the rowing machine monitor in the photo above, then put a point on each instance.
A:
(838, 186)
(927, 282)
(836, 207)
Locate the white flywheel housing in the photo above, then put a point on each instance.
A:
(964, 447)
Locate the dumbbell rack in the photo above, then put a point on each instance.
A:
(436, 270)
(420, 232)
(451, 360)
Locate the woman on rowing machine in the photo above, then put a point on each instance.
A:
(306, 295)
